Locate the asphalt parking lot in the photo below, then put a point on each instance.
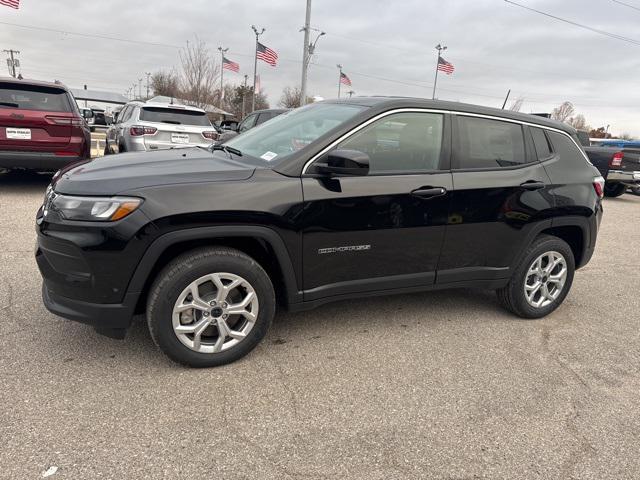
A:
(436, 385)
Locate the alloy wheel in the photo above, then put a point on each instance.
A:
(545, 279)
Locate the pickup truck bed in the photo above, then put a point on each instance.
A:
(620, 167)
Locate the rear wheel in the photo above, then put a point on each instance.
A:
(614, 189)
(210, 307)
(542, 279)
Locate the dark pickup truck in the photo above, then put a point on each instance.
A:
(620, 167)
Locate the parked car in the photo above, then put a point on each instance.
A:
(619, 165)
(252, 120)
(96, 118)
(40, 126)
(332, 201)
(142, 126)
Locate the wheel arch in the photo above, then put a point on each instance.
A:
(261, 243)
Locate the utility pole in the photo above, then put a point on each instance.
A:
(255, 65)
(244, 94)
(440, 49)
(222, 52)
(140, 87)
(148, 74)
(339, 78)
(12, 62)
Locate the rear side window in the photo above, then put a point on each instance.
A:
(541, 142)
(34, 97)
(565, 147)
(488, 143)
(174, 116)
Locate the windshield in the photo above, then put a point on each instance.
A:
(287, 133)
(174, 116)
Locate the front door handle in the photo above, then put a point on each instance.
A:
(533, 185)
(429, 192)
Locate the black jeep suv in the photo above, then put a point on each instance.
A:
(339, 199)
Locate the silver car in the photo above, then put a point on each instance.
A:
(144, 126)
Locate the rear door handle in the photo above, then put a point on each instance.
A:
(533, 185)
(429, 192)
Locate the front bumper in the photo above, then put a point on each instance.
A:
(628, 178)
(36, 160)
(111, 320)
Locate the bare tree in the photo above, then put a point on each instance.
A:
(517, 104)
(291, 97)
(563, 112)
(626, 136)
(199, 80)
(166, 83)
(579, 122)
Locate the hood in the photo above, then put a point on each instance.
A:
(115, 174)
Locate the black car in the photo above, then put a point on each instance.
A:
(250, 121)
(335, 200)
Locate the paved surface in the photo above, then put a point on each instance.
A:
(435, 385)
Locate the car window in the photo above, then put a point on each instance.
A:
(401, 142)
(248, 122)
(565, 147)
(263, 117)
(34, 97)
(488, 143)
(125, 114)
(174, 116)
(541, 142)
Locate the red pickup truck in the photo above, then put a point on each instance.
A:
(40, 126)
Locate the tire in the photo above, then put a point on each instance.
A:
(614, 189)
(513, 297)
(167, 296)
(635, 190)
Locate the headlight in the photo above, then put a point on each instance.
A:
(94, 209)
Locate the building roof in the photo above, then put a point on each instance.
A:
(99, 96)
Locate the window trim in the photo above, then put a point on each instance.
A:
(448, 115)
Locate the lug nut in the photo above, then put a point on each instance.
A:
(225, 316)
(224, 305)
(212, 303)
(205, 314)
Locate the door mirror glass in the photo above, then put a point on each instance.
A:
(345, 163)
(86, 113)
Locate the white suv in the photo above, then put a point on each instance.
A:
(155, 126)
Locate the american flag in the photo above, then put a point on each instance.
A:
(11, 3)
(344, 79)
(265, 54)
(228, 64)
(445, 66)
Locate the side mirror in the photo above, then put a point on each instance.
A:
(345, 163)
(86, 113)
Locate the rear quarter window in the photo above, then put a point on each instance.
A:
(566, 148)
(174, 116)
(34, 97)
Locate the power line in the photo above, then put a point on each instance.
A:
(91, 35)
(626, 5)
(576, 24)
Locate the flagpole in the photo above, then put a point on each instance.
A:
(222, 52)
(339, 78)
(439, 48)
(255, 66)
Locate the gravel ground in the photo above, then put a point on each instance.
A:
(435, 385)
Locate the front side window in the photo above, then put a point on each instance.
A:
(485, 143)
(401, 142)
(248, 122)
(289, 132)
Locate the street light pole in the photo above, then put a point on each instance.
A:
(244, 95)
(148, 74)
(305, 54)
(440, 49)
(222, 52)
(255, 65)
(339, 78)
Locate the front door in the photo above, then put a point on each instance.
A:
(384, 230)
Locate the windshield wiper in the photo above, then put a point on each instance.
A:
(228, 149)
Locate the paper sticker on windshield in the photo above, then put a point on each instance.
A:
(268, 156)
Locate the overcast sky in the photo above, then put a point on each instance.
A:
(386, 47)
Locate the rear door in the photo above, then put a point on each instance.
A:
(34, 118)
(500, 191)
(383, 230)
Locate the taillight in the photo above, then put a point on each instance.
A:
(211, 135)
(138, 131)
(74, 121)
(616, 160)
(598, 186)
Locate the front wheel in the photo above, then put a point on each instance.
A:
(614, 189)
(542, 279)
(210, 307)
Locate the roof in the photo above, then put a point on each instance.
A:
(27, 81)
(409, 102)
(99, 96)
